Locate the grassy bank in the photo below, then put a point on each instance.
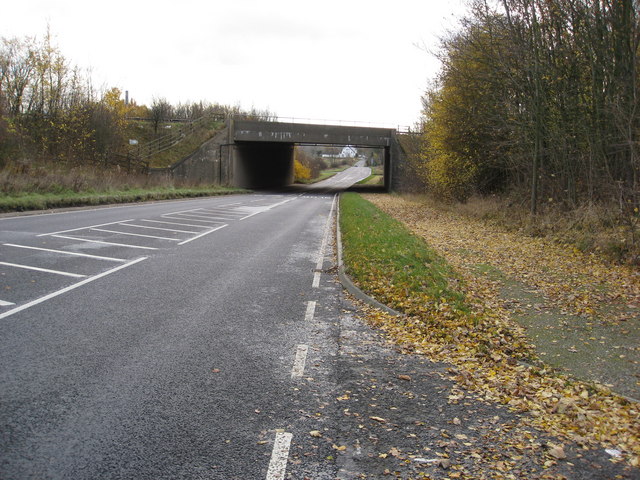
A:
(43, 201)
(44, 185)
(455, 315)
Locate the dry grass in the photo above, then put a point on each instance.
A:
(604, 229)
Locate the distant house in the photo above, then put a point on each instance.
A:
(348, 152)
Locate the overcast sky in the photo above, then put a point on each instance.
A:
(348, 60)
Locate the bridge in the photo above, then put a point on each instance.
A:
(259, 154)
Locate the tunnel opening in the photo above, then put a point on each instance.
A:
(263, 165)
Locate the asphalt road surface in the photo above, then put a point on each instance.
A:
(161, 340)
(209, 339)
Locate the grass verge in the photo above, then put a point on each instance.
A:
(41, 201)
(383, 256)
(461, 323)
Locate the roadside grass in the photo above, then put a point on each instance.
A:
(373, 179)
(324, 174)
(383, 256)
(456, 318)
(44, 185)
(43, 201)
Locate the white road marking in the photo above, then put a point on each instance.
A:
(323, 247)
(189, 217)
(298, 364)
(45, 270)
(203, 234)
(5, 304)
(135, 234)
(82, 228)
(174, 223)
(279, 456)
(126, 245)
(69, 288)
(311, 308)
(76, 254)
(265, 208)
(158, 228)
(192, 215)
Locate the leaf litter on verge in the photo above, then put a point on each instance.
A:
(487, 346)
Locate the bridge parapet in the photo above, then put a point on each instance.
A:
(260, 131)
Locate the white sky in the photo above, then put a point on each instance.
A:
(351, 60)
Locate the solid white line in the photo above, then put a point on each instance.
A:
(266, 208)
(174, 223)
(158, 228)
(45, 270)
(311, 308)
(69, 288)
(82, 228)
(135, 234)
(325, 240)
(104, 243)
(298, 364)
(189, 217)
(86, 255)
(5, 304)
(226, 216)
(203, 234)
(193, 215)
(279, 456)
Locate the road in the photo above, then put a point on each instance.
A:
(209, 339)
(161, 340)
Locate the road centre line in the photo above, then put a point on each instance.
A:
(158, 228)
(69, 288)
(279, 456)
(203, 234)
(104, 243)
(298, 364)
(82, 228)
(268, 207)
(76, 254)
(311, 308)
(45, 270)
(5, 304)
(135, 234)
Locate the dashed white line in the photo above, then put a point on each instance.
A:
(203, 234)
(69, 288)
(299, 362)
(82, 228)
(64, 252)
(279, 456)
(311, 308)
(45, 270)
(5, 304)
(134, 234)
(126, 245)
